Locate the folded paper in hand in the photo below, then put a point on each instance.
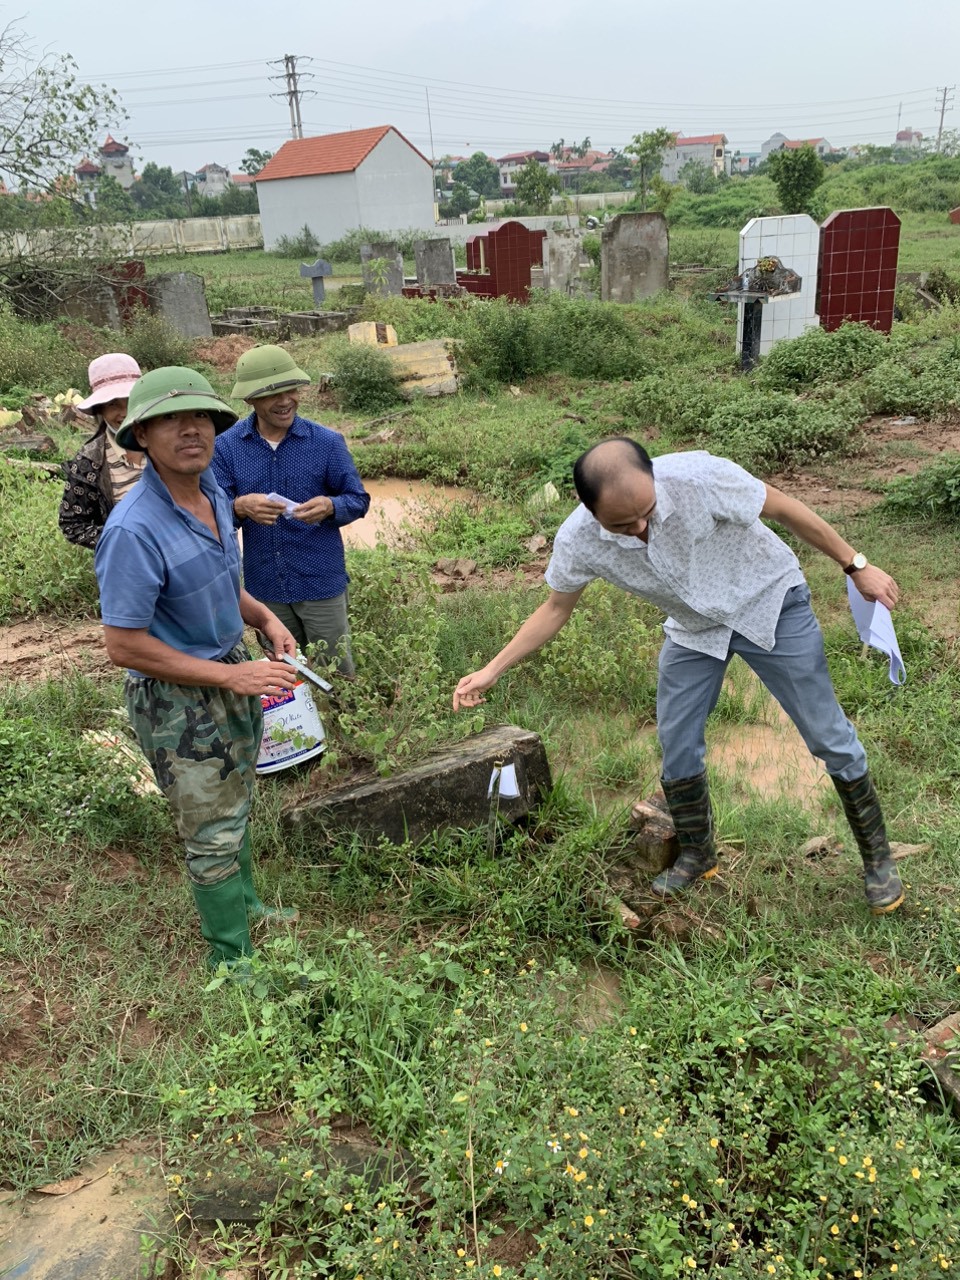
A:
(875, 627)
(289, 505)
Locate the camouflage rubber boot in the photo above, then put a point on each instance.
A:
(880, 876)
(257, 910)
(223, 921)
(688, 800)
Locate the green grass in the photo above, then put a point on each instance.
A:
(695, 1115)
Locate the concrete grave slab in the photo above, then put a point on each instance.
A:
(634, 257)
(315, 272)
(435, 264)
(382, 265)
(181, 299)
(447, 790)
(561, 261)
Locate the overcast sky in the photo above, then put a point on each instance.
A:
(506, 75)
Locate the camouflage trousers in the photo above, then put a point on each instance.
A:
(202, 744)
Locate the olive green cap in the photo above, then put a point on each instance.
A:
(170, 390)
(263, 371)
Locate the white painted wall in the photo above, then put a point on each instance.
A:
(327, 204)
(395, 187)
(390, 191)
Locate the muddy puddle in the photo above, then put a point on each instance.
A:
(769, 760)
(397, 505)
(88, 1227)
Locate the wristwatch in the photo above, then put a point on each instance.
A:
(859, 561)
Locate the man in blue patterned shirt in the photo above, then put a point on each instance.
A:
(293, 485)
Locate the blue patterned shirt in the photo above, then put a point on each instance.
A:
(291, 561)
(159, 568)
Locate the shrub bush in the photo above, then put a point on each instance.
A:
(37, 356)
(303, 245)
(363, 377)
(933, 492)
(820, 357)
(154, 343)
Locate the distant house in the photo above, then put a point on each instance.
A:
(709, 149)
(212, 180)
(243, 179)
(570, 168)
(115, 161)
(338, 182)
(780, 142)
(908, 140)
(511, 165)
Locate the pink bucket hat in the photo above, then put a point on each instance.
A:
(111, 378)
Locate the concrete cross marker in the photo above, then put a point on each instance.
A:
(314, 272)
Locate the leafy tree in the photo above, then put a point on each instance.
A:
(480, 173)
(580, 149)
(112, 202)
(647, 150)
(535, 187)
(620, 168)
(698, 178)
(48, 118)
(797, 174)
(557, 149)
(254, 160)
(460, 200)
(159, 193)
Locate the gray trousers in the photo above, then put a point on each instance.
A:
(794, 671)
(319, 622)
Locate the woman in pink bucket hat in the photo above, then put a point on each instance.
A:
(101, 473)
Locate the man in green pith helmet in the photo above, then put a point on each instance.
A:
(293, 485)
(173, 613)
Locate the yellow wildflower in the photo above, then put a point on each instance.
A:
(588, 1220)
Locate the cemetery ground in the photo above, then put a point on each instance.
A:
(536, 1091)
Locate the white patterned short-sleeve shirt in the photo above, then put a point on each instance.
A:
(710, 562)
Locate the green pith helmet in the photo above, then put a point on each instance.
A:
(266, 370)
(170, 390)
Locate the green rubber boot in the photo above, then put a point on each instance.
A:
(223, 921)
(881, 879)
(257, 910)
(688, 800)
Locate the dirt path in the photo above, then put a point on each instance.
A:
(49, 648)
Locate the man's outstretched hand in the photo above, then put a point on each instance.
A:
(469, 692)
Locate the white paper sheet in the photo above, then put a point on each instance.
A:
(504, 781)
(289, 505)
(875, 628)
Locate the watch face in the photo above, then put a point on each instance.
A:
(859, 561)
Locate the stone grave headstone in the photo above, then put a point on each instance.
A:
(635, 257)
(434, 259)
(859, 249)
(181, 299)
(315, 272)
(382, 268)
(561, 261)
(795, 240)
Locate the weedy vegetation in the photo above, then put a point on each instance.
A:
(744, 1097)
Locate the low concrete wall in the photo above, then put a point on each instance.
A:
(577, 204)
(140, 239)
